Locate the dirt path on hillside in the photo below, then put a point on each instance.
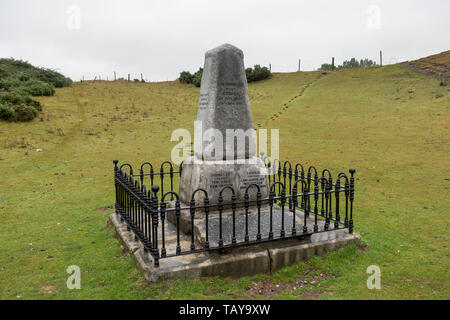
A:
(285, 106)
(442, 75)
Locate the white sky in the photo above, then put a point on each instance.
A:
(162, 38)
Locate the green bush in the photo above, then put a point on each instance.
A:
(19, 80)
(38, 88)
(256, 73)
(197, 78)
(25, 113)
(185, 77)
(349, 64)
(7, 113)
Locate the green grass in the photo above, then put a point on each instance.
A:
(388, 123)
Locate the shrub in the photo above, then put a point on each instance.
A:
(25, 113)
(7, 113)
(256, 73)
(185, 77)
(13, 97)
(38, 88)
(9, 83)
(136, 80)
(19, 80)
(326, 67)
(197, 77)
(349, 64)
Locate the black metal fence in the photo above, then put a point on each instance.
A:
(292, 189)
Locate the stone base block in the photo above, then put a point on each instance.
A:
(237, 262)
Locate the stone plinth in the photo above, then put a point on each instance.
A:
(213, 176)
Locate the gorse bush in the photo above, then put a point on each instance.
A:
(185, 77)
(256, 73)
(19, 80)
(197, 78)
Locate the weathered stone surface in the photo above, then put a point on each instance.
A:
(224, 105)
(213, 176)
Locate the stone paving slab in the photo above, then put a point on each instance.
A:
(236, 262)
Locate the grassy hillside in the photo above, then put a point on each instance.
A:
(390, 123)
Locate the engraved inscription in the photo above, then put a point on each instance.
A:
(230, 95)
(220, 180)
(253, 177)
(203, 101)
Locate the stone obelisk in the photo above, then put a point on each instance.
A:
(224, 138)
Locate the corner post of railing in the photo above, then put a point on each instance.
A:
(347, 192)
(192, 211)
(352, 197)
(116, 186)
(141, 173)
(155, 251)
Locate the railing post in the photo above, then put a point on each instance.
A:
(192, 211)
(246, 206)
(177, 213)
(271, 196)
(220, 206)
(283, 202)
(352, 196)
(337, 189)
(163, 237)
(207, 222)
(258, 204)
(233, 208)
(316, 210)
(294, 204)
(155, 251)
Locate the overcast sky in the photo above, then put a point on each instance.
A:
(162, 38)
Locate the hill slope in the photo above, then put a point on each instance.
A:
(390, 123)
(437, 66)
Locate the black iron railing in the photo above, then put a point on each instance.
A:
(324, 206)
